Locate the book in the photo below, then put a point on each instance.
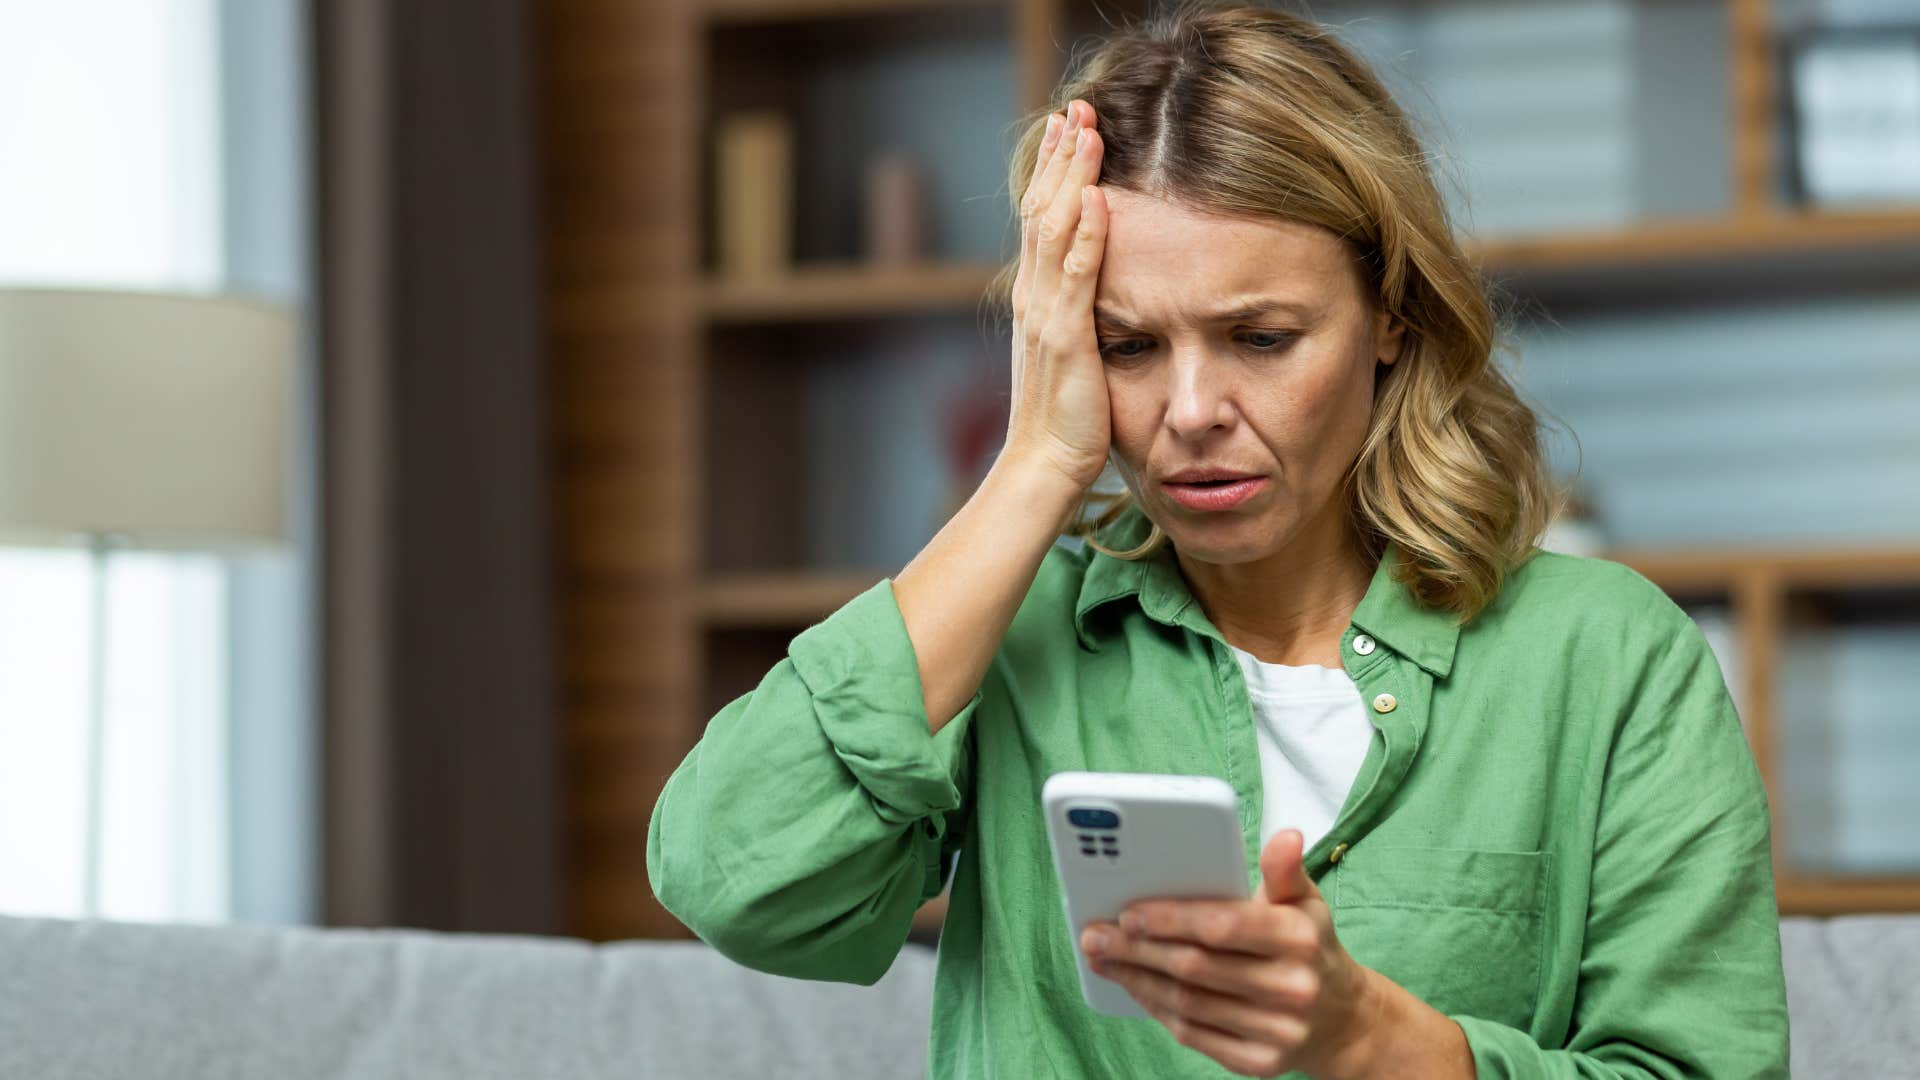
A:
(753, 187)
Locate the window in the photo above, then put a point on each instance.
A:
(110, 128)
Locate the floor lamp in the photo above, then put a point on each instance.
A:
(129, 419)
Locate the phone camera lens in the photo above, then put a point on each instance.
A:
(1087, 818)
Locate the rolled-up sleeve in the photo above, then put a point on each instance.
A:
(817, 812)
(1681, 972)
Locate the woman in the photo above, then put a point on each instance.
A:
(1504, 816)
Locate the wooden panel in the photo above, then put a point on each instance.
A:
(1750, 61)
(619, 122)
(1758, 621)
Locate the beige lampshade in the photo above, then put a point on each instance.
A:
(160, 418)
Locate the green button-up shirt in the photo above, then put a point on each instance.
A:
(1558, 836)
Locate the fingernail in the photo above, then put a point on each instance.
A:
(1053, 127)
(1095, 941)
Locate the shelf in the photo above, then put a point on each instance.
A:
(797, 598)
(1719, 569)
(1661, 243)
(1701, 253)
(1738, 259)
(848, 291)
(1846, 895)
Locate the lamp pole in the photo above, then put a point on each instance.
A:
(98, 544)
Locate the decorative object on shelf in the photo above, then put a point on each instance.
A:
(897, 211)
(1575, 530)
(753, 186)
(140, 420)
(1855, 115)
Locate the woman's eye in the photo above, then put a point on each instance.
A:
(1264, 341)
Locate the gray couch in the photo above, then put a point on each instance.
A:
(85, 1000)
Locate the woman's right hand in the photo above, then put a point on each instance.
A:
(1060, 413)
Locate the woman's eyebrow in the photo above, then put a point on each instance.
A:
(1252, 309)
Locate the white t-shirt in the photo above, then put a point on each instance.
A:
(1313, 732)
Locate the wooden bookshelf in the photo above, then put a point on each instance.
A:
(645, 341)
(1759, 586)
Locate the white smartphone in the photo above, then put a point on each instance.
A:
(1122, 837)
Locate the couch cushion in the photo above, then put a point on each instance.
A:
(1853, 995)
(111, 999)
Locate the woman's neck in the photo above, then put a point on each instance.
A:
(1292, 606)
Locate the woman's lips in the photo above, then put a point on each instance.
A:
(1215, 496)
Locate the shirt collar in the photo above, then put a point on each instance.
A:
(1388, 612)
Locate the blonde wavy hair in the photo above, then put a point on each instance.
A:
(1256, 112)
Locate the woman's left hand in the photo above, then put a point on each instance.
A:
(1262, 986)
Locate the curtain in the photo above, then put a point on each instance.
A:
(441, 766)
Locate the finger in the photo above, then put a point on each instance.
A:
(1200, 1018)
(1080, 270)
(1255, 927)
(1053, 166)
(1274, 982)
(1057, 224)
(1045, 194)
(1283, 875)
(1029, 200)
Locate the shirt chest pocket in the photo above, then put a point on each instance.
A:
(1460, 928)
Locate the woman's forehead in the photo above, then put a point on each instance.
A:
(1168, 262)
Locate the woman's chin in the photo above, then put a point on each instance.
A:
(1220, 538)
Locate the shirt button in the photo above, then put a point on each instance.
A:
(1363, 645)
(1384, 703)
(1338, 850)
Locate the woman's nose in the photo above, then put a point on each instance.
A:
(1199, 399)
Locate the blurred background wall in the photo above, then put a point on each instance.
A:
(638, 337)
